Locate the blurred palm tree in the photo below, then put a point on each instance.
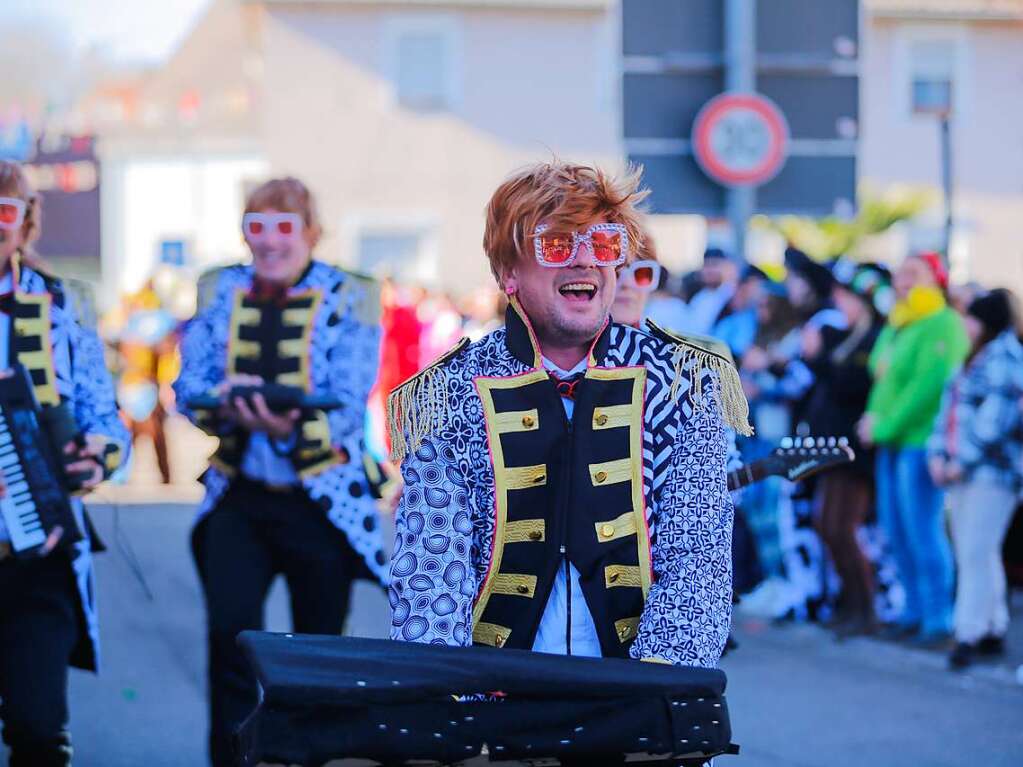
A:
(831, 236)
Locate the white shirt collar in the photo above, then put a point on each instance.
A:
(550, 366)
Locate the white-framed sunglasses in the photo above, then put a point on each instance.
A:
(609, 243)
(644, 275)
(12, 213)
(258, 226)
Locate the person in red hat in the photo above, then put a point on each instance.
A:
(920, 348)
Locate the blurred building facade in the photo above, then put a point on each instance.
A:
(922, 56)
(403, 115)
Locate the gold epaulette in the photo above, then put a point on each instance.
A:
(367, 308)
(79, 294)
(206, 287)
(418, 407)
(710, 354)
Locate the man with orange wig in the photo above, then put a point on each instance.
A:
(565, 483)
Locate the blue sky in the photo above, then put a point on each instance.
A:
(135, 30)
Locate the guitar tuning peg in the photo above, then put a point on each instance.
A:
(843, 442)
(808, 442)
(832, 441)
(786, 442)
(821, 441)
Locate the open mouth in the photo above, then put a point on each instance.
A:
(578, 291)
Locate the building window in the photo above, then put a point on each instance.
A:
(932, 76)
(388, 254)
(424, 65)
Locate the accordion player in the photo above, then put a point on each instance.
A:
(48, 619)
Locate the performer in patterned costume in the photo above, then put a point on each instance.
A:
(565, 482)
(285, 492)
(47, 608)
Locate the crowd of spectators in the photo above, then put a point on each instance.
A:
(925, 380)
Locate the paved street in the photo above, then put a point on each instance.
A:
(797, 699)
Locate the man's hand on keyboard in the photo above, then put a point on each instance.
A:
(89, 461)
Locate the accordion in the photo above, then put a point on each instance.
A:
(379, 702)
(32, 467)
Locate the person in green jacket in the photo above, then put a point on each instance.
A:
(918, 351)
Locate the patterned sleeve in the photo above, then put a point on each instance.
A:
(433, 583)
(95, 405)
(993, 414)
(354, 362)
(201, 370)
(688, 611)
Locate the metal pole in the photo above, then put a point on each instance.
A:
(740, 75)
(946, 183)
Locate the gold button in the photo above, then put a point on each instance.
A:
(522, 589)
(19, 331)
(499, 640)
(601, 419)
(535, 535)
(528, 421)
(607, 530)
(623, 632)
(614, 578)
(600, 476)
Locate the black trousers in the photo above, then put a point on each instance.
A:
(38, 630)
(253, 535)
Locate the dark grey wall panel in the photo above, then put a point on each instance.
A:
(664, 106)
(653, 27)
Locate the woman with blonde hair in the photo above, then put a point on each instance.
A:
(47, 608)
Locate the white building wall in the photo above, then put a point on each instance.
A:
(898, 147)
(526, 85)
(198, 199)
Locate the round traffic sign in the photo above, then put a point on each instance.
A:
(740, 139)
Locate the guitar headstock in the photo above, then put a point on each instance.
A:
(797, 458)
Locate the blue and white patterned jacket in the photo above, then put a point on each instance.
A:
(335, 316)
(64, 356)
(477, 464)
(980, 425)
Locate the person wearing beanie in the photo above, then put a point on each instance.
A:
(976, 453)
(838, 359)
(921, 346)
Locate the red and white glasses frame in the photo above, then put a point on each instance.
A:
(643, 275)
(12, 213)
(609, 243)
(258, 227)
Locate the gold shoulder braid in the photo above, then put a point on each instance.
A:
(206, 288)
(367, 310)
(713, 355)
(80, 294)
(418, 407)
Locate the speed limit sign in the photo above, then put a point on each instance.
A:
(740, 139)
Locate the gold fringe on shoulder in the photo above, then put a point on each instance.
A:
(730, 397)
(418, 408)
(367, 305)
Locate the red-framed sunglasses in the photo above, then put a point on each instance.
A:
(609, 243)
(258, 226)
(12, 213)
(644, 275)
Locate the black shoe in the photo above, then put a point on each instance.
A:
(860, 627)
(899, 632)
(961, 656)
(991, 645)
